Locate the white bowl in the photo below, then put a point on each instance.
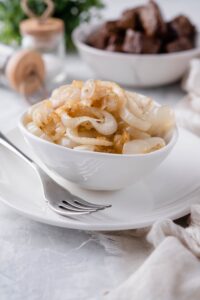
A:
(93, 170)
(139, 70)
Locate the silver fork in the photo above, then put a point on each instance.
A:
(59, 199)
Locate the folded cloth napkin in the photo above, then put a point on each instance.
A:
(170, 273)
(172, 270)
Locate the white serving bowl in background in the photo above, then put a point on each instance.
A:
(93, 170)
(141, 70)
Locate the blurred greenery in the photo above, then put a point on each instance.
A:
(72, 12)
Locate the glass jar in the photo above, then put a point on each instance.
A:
(47, 37)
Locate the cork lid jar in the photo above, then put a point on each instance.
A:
(41, 28)
(42, 32)
(46, 35)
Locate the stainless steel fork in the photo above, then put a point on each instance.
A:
(59, 199)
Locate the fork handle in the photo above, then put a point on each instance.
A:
(9, 145)
(6, 142)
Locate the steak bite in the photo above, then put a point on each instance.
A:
(115, 42)
(180, 44)
(181, 27)
(130, 19)
(152, 20)
(97, 39)
(100, 38)
(136, 42)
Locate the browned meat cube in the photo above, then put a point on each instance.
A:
(132, 42)
(130, 19)
(115, 42)
(116, 38)
(99, 38)
(152, 20)
(114, 48)
(136, 42)
(180, 44)
(151, 45)
(181, 26)
(110, 27)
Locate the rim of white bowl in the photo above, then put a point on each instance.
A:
(79, 41)
(167, 147)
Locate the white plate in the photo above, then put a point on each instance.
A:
(157, 196)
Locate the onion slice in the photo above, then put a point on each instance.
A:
(85, 148)
(105, 126)
(73, 135)
(143, 146)
(134, 121)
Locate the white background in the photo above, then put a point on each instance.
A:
(170, 8)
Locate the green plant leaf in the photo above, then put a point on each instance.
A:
(70, 11)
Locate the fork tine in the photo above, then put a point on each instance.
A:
(82, 203)
(61, 210)
(69, 205)
(77, 204)
(65, 209)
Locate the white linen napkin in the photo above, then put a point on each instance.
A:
(172, 271)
